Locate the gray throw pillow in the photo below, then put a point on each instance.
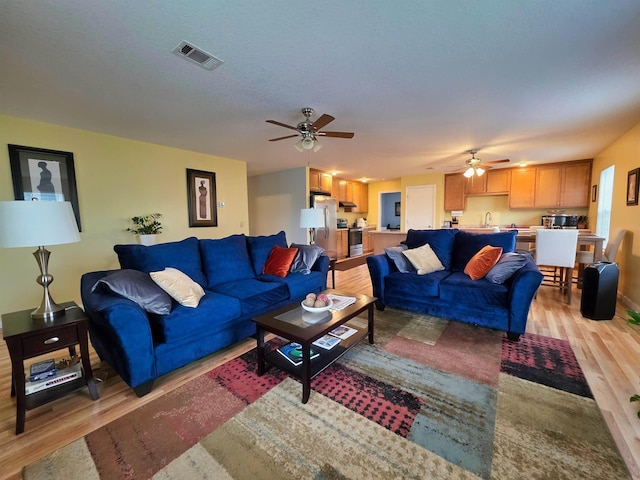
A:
(138, 287)
(508, 264)
(402, 263)
(305, 258)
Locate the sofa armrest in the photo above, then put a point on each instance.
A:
(379, 267)
(321, 265)
(120, 332)
(522, 289)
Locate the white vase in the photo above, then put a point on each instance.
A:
(147, 239)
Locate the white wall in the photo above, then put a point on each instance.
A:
(275, 201)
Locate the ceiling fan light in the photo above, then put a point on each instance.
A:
(317, 146)
(468, 172)
(479, 171)
(308, 143)
(298, 145)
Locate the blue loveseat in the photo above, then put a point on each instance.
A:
(451, 293)
(141, 346)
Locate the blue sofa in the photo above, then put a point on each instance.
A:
(142, 346)
(450, 293)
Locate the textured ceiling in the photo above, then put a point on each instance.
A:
(419, 82)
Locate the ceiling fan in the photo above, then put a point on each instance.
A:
(475, 166)
(309, 130)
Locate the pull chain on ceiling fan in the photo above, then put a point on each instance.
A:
(309, 131)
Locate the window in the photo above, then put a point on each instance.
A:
(604, 203)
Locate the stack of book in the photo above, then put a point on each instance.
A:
(44, 375)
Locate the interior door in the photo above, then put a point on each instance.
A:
(420, 207)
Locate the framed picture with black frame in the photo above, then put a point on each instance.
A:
(594, 193)
(632, 186)
(39, 174)
(397, 209)
(201, 197)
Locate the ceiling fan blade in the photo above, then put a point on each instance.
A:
(281, 124)
(337, 134)
(282, 138)
(497, 161)
(322, 121)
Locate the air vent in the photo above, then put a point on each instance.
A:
(197, 56)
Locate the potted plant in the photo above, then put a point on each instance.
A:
(146, 227)
(634, 320)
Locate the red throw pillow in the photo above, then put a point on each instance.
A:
(483, 261)
(279, 261)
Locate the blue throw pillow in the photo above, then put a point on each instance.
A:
(260, 248)
(226, 260)
(305, 258)
(401, 262)
(440, 241)
(183, 255)
(467, 244)
(138, 287)
(508, 264)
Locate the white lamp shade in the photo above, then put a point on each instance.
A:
(37, 223)
(311, 218)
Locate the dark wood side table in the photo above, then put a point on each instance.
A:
(28, 338)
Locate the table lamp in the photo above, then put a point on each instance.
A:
(312, 218)
(35, 224)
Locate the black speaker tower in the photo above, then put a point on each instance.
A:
(599, 291)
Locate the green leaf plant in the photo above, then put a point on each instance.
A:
(146, 224)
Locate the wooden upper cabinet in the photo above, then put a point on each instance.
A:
(320, 181)
(498, 181)
(575, 185)
(563, 185)
(454, 185)
(493, 182)
(522, 187)
(361, 197)
(475, 185)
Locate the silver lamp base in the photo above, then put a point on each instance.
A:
(48, 309)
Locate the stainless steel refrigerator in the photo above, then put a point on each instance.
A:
(326, 237)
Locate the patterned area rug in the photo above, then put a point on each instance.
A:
(431, 399)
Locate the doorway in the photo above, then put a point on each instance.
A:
(389, 215)
(420, 209)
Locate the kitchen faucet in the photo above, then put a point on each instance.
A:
(487, 219)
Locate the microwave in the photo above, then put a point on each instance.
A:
(560, 220)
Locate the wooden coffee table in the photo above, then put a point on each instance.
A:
(296, 325)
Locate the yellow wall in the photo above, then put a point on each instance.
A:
(375, 189)
(116, 179)
(624, 153)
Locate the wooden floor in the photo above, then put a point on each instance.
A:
(608, 352)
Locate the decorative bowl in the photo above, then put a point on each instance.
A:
(317, 309)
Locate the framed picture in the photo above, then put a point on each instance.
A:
(594, 193)
(632, 186)
(201, 197)
(44, 175)
(397, 209)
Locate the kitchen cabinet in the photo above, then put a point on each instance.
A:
(454, 198)
(498, 181)
(563, 185)
(493, 182)
(352, 191)
(343, 243)
(320, 181)
(367, 239)
(522, 187)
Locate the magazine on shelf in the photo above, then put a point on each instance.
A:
(40, 370)
(293, 352)
(327, 342)
(342, 332)
(61, 376)
(340, 302)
